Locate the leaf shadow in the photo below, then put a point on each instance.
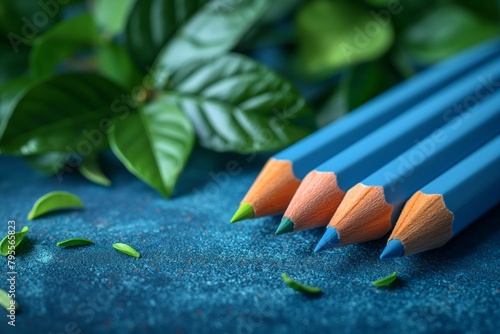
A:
(25, 247)
(210, 172)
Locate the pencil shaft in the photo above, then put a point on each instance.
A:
(316, 148)
(417, 166)
(471, 187)
(376, 149)
(369, 209)
(448, 204)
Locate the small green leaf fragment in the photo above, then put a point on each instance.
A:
(124, 248)
(91, 170)
(12, 239)
(386, 281)
(299, 286)
(56, 200)
(74, 242)
(5, 300)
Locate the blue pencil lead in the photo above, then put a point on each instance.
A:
(393, 249)
(329, 240)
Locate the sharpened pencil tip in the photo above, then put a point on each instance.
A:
(329, 240)
(286, 226)
(393, 249)
(245, 211)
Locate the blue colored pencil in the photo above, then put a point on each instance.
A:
(281, 176)
(448, 204)
(369, 209)
(322, 190)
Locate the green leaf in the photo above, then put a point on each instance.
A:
(49, 163)
(238, 105)
(92, 171)
(488, 9)
(299, 286)
(152, 23)
(334, 34)
(74, 242)
(17, 19)
(111, 16)
(124, 248)
(6, 301)
(55, 200)
(445, 31)
(61, 42)
(10, 94)
(386, 281)
(154, 143)
(13, 64)
(367, 80)
(211, 32)
(187, 30)
(379, 3)
(70, 111)
(335, 106)
(12, 240)
(116, 64)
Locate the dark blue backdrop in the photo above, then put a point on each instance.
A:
(198, 273)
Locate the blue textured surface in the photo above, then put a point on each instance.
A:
(200, 274)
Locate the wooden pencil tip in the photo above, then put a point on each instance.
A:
(245, 211)
(286, 226)
(329, 240)
(273, 189)
(393, 249)
(363, 215)
(425, 223)
(315, 201)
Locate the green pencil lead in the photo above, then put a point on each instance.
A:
(286, 226)
(245, 211)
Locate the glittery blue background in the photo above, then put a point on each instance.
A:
(199, 274)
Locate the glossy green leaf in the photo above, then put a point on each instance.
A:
(488, 9)
(115, 63)
(16, 20)
(379, 3)
(367, 80)
(10, 93)
(5, 300)
(299, 286)
(111, 16)
(154, 143)
(152, 23)
(61, 42)
(8, 241)
(80, 105)
(74, 242)
(445, 31)
(124, 248)
(212, 31)
(334, 34)
(238, 105)
(13, 64)
(386, 281)
(55, 200)
(49, 163)
(177, 32)
(91, 170)
(359, 84)
(334, 106)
